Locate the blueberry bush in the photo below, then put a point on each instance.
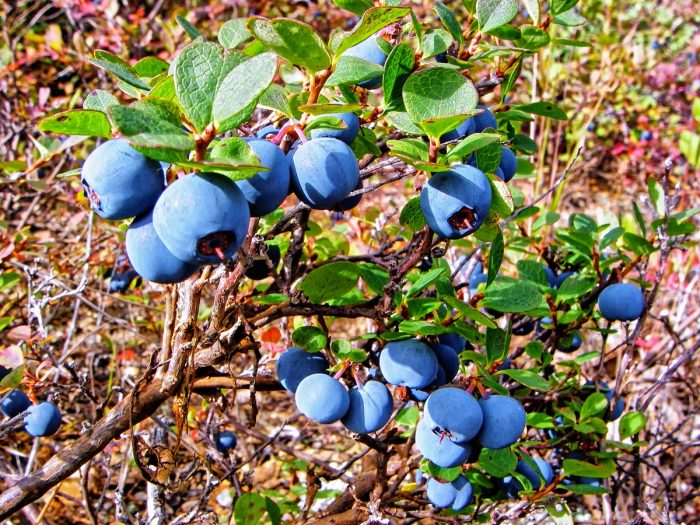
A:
(353, 288)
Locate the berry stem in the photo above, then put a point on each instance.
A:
(343, 369)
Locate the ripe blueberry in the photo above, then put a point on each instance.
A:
(504, 421)
(346, 134)
(409, 363)
(120, 182)
(43, 419)
(453, 412)
(202, 218)
(324, 171)
(621, 302)
(149, 256)
(266, 190)
(15, 402)
(455, 203)
(322, 398)
(370, 408)
(296, 364)
(225, 440)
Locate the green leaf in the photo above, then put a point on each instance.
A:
(239, 91)
(352, 70)
(450, 22)
(638, 245)
(501, 199)
(294, 41)
(233, 33)
(585, 489)
(533, 9)
(89, 122)
(532, 38)
(494, 13)
(412, 148)
(595, 404)
(354, 6)
(344, 350)
(99, 100)
(574, 287)
(574, 467)
(689, 145)
(469, 311)
(120, 69)
(488, 158)
(372, 21)
(471, 144)
(435, 41)
(425, 280)
(198, 70)
(438, 93)
(412, 215)
(559, 6)
(375, 277)
(401, 121)
(527, 378)
(631, 423)
(185, 24)
(8, 280)
(397, 69)
(495, 258)
(544, 109)
(509, 295)
(249, 509)
(569, 18)
(330, 281)
(422, 328)
(532, 271)
(570, 42)
(498, 463)
(150, 67)
(496, 344)
(408, 417)
(611, 236)
(310, 338)
(275, 98)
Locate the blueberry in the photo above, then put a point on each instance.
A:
(447, 359)
(324, 172)
(370, 51)
(322, 398)
(225, 440)
(475, 280)
(646, 135)
(456, 202)
(409, 363)
(120, 182)
(370, 408)
(466, 128)
(621, 302)
(441, 58)
(454, 341)
(509, 163)
(15, 402)
(296, 364)
(266, 190)
(259, 268)
(524, 326)
(485, 119)
(591, 127)
(504, 421)
(551, 276)
(43, 419)
(349, 203)
(346, 134)
(149, 256)
(421, 394)
(439, 449)
(202, 218)
(267, 132)
(456, 494)
(570, 343)
(455, 412)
